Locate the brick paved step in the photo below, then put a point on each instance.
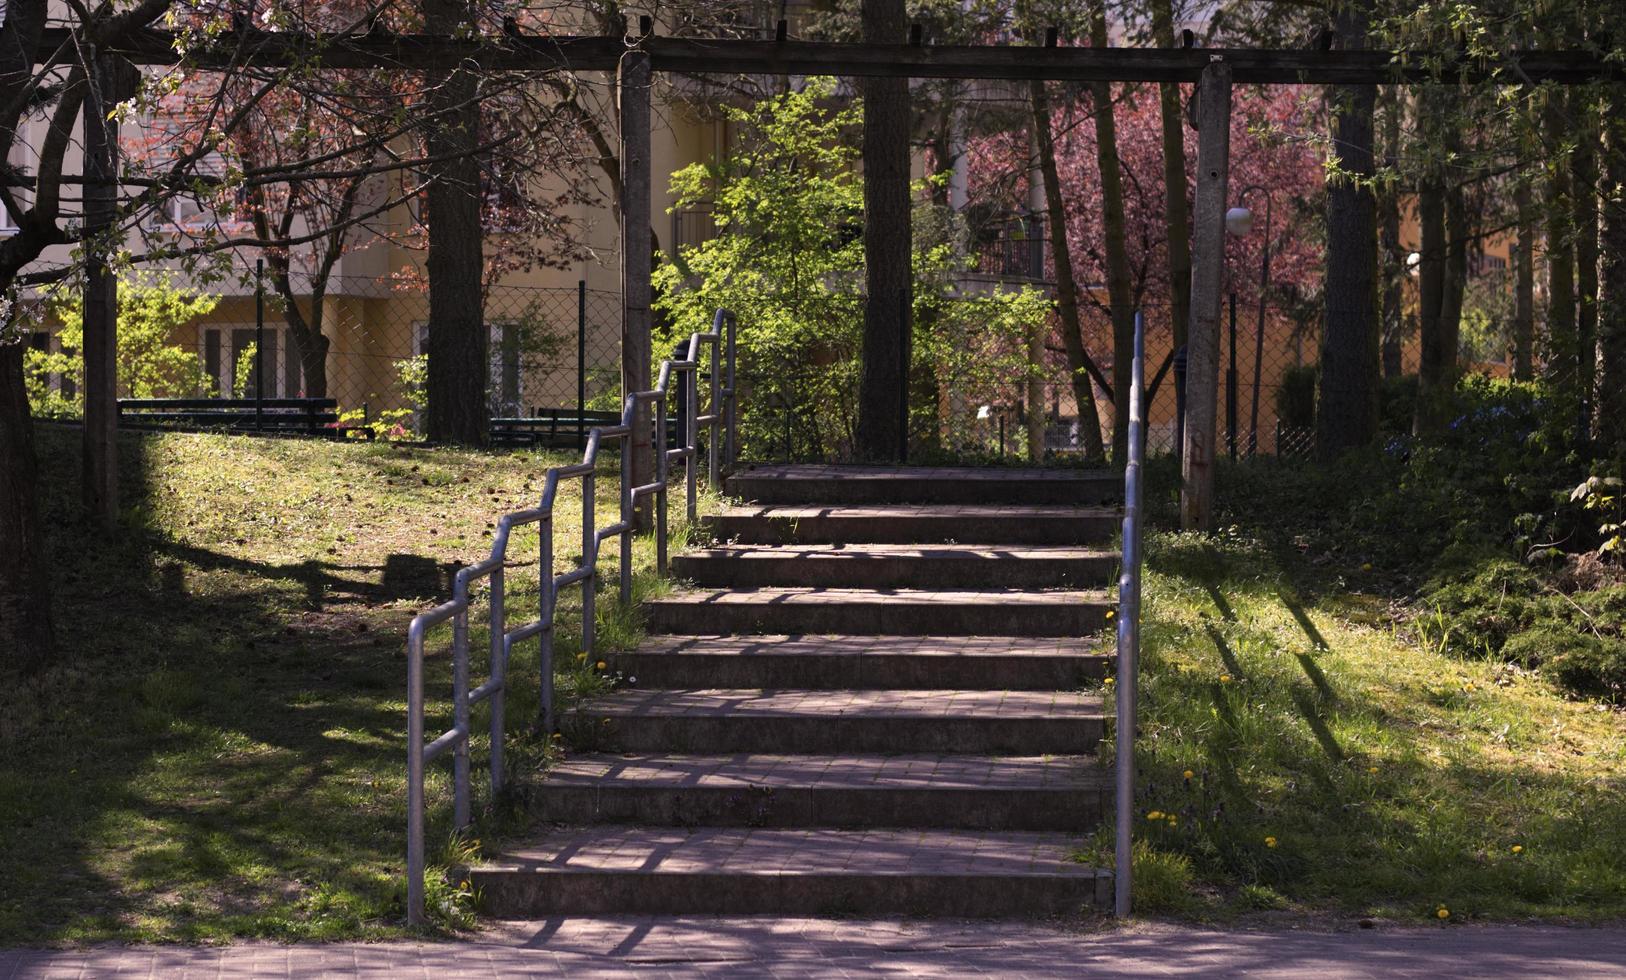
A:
(598, 870)
(912, 524)
(945, 791)
(854, 722)
(902, 612)
(898, 566)
(865, 662)
(798, 483)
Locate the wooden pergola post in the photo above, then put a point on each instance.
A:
(1207, 272)
(636, 253)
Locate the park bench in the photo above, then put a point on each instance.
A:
(558, 428)
(273, 416)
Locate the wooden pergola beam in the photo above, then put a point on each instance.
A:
(514, 52)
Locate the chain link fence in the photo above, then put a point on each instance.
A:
(550, 350)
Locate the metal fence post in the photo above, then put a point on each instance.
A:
(715, 407)
(548, 602)
(691, 458)
(581, 363)
(590, 559)
(662, 469)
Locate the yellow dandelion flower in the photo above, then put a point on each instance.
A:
(1372, 769)
(1225, 678)
(1174, 821)
(1155, 815)
(1518, 848)
(1109, 680)
(1188, 774)
(1442, 913)
(1112, 613)
(581, 656)
(1270, 842)
(599, 665)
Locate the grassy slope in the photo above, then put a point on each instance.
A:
(220, 752)
(1394, 780)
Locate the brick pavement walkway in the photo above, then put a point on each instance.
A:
(746, 947)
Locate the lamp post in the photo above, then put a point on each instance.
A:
(1238, 221)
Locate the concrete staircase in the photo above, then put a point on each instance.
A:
(868, 703)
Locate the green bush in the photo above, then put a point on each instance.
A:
(1295, 399)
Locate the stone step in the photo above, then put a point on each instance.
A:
(853, 722)
(902, 612)
(864, 662)
(597, 870)
(751, 790)
(898, 566)
(781, 483)
(912, 524)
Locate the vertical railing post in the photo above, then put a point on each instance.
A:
(415, 815)
(731, 398)
(590, 559)
(691, 428)
(627, 515)
(661, 469)
(548, 603)
(1129, 634)
(499, 673)
(460, 716)
(714, 409)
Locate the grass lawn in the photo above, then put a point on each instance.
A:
(220, 752)
(1304, 751)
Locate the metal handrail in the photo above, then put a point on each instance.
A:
(722, 448)
(1129, 627)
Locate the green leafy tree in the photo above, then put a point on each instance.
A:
(788, 260)
(151, 311)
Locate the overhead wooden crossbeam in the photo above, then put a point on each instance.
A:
(514, 52)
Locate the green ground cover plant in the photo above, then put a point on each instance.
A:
(220, 751)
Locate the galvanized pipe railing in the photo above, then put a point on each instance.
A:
(1129, 629)
(638, 408)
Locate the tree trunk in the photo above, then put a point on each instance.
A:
(1348, 413)
(1561, 345)
(1079, 366)
(880, 432)
(458, 412)
(306, 332)
(1457, 232)
(1430, 298)
(25, 597)
(1119, 289)
(1524, 286)
(1586, 263)
(1611, 434)
(1176, 208)
(1393, 262)
(99, 486)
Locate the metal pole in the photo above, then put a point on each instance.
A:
(1129, 636)
(627, 484)
(1230, 386)
(1259, 337)
(548, 601)
(581, 363)
(460, 717)
(499, 669)
(904, 343)
(415, 916)
(589, 559)
(733, 398)
(259, 344)
(662, 470)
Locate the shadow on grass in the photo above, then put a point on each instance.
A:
(220, 751)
